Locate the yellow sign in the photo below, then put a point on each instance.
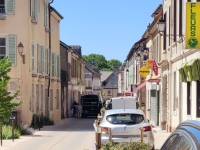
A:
(192, 25)
(150, 63)
(144, 71)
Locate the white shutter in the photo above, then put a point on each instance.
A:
(36, 10)
(32, 56)
(32, 8)
(46, 14)
(11, 48)
(45, 60)
(48, 61)
(58, 66)
(43, 50)
(55, 65)
(52, 56)
(10, 7)
(39, 58)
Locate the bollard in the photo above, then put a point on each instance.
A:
(142, 135)
(13, 130)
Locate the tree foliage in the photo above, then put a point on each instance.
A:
(6, 104)
(101, 62)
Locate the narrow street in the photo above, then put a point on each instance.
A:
(67, 134)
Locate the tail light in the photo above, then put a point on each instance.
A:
(105, 129)
(147, 128)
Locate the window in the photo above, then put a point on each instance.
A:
(46, 15)
(42, 97)
(7, 6)
(51, 99)
(169, 24)
(125, 118)
(164, 37)
(188, 99)
(171, 142)
(37, 99)
(58, 66)
(198, 99)
(32, 99)
(2, 47)
(184, 144)
(175, 20)
(180, 17)
(34, 4)
(8, 48)
(174, 106)
(57, 98)
(39, 58)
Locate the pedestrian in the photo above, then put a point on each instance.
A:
(79, 110)
(74, 108)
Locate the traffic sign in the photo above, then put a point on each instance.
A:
(144, 71)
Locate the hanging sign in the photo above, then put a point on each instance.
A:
(144, 71)
(192, 40)
(155, 68)
(150, 63)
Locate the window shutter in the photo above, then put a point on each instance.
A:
(52, 57)
(45, 14)
(39, 58)
(32, 57)
(45, 60)
(48, 61)
(43, 50)
(32, 8)
(10, 7)
(36, 10)
(58, 66)
(11, 48)
(55, 65)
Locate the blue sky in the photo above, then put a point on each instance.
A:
(105, 27)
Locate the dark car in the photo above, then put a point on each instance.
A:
(185, 137)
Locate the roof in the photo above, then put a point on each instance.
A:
(105, 75)
(53, 9)
(90, 68)
(157, 11)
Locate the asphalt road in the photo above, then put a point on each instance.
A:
(67, 134)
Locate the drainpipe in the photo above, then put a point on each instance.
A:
(49, 56)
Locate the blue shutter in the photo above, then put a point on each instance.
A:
(10, 7)
(11, 48)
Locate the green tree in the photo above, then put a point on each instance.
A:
(101, 62)
(113, 63)
(6, 104)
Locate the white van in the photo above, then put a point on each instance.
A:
(125, 102)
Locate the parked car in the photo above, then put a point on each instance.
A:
(185, 137)
(125, 126)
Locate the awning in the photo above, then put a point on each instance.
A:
(182, 73)
(193, 70)
(140, 86)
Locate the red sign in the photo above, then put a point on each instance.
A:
(154, 80)
(155, 68)
(128, 94)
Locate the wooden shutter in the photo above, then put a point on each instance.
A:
(11, 48)
(58, 66)
(36, 10)
(39, 58)
(55, 65)
(10, 7)
(48, 61)
(52, 64)
(32, 56)
(32, 8)
(45, 60)
(43, 50)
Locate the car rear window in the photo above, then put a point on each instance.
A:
(125, 118)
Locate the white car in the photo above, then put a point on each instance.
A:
(125, 126)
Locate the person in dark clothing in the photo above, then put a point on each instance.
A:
(74, 108)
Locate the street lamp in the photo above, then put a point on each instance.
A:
(20, 50)
(127, 78)
(138, 57)
(161, 25)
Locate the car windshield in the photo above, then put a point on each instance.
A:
(128, 119)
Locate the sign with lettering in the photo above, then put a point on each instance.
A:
(150, 63)
(144, 71)
(192, 25)
(155, 68)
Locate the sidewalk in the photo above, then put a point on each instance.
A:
(160, 136)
